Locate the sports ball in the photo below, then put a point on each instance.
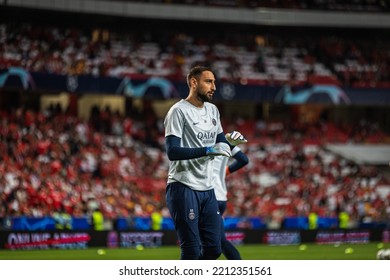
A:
(349, 250)
(101, 252)
(383, 254)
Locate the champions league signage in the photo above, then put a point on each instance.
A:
(163, 88)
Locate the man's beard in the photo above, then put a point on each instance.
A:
(204, 97)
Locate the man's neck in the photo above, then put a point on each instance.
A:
(195, 101)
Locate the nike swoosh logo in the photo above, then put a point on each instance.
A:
(195, 123)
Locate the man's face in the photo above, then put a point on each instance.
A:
(205, 86)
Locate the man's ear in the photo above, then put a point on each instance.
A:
(194, 83)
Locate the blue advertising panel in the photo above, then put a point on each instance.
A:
(162, 88)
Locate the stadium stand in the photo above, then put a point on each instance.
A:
(263, 60)
(54, 158)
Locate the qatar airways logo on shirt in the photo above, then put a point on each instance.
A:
(206, 136)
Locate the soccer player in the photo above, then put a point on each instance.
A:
(194, 137)
(221, 169)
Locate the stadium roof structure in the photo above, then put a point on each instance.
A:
(258, 16)
(372, 154)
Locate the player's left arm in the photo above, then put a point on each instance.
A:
(240, 160)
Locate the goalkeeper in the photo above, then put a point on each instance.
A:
(194, 138)
(221, 169)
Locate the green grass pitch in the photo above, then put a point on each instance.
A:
(248, 252)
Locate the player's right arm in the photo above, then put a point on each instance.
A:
(175, 152)
(174, 123)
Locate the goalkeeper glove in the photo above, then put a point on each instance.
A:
(235, 138)
(219, 149)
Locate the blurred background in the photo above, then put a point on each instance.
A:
(85, 86)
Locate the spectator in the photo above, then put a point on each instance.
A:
(63, 221)
(97, 219)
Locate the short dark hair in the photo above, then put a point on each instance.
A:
(196, 71)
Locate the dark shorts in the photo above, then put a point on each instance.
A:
(196, 217)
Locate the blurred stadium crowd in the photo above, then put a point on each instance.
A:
(246, 58)
(52, 159)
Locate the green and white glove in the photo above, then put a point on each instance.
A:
(219, 149)
(235, 138)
